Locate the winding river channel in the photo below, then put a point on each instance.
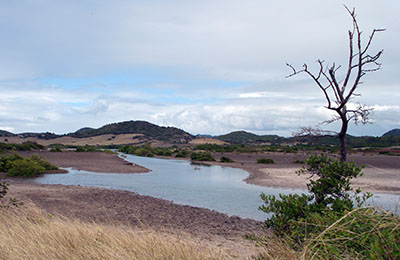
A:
(214, 187)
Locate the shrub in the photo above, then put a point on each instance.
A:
(45, 164)
(143, 151)
(5, 161)
(201, 156)
(16, 165)
(55, 150)
(182, 154)
(298, 217)
(25, 168)
(265, 161)
(226, 159)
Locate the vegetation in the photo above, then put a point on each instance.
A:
(330, 223)
(242, 137)
(16, 165)
(87, 148)
(26, 146)
(201, 156)
(183, 153)
(31, 234)
(265, 161)
(146, 150)
(226, 159)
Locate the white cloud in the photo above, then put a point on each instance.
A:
(204, 66)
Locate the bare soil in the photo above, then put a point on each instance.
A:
(90, 161)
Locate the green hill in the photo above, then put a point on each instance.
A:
(243, 137)
(161, 133)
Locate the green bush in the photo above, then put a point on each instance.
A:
(299, 217)
(16, 165)
(201, 156)
(5, 161)
(25, 168)
(55, 150)
(265, 161)
(143, 151)
(182, 154)
(45, 164)
(226, 159)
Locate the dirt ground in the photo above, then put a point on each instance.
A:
(90, 161)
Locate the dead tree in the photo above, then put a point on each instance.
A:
(338, 91)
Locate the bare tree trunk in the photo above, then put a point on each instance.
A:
(342, 134)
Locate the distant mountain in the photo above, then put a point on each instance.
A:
(393, 132)
(243, 137)
(4, 133)
(161, 133)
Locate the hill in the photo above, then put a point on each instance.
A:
(243, 137)
(4, 133)
(149, 130)
(393, 132)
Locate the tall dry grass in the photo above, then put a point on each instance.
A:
(30, 234)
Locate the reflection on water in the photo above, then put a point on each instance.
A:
(214, 187)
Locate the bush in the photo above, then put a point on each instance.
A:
(226, 159)
(25, 168)
(45, 164)
(143, 151)
(299, 217)
(16, 165)
(5, 161)
(182, 154)
(265, 161)
(202, 156)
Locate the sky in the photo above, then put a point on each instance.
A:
(207, 67)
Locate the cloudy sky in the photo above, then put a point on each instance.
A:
(208, 67)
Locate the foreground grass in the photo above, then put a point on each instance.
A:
(30, 234)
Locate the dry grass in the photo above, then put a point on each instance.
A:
(30, 234)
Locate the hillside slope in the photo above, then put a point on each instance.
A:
(149, 130)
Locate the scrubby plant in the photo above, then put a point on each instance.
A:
(265, 161)
(182, 153)
(25, 168)
(299, 217)
(16, 165)
(226, 159)
(201, 156)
